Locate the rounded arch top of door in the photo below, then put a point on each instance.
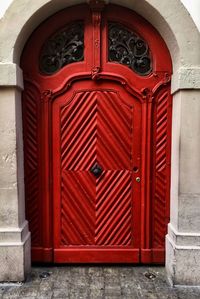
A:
(93, 51)
(97, 133)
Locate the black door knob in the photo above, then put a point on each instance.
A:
(96, 170)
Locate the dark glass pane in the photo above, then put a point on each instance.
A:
(128, 48)
(64, 47)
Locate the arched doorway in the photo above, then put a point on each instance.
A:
(97, 123)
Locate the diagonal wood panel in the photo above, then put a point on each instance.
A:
(78, 154)
(161, 175)
(77, 211)
(96, 126)
(31, 158)
(113, 224)
(78, 132)
(114, 121)
(114, 213)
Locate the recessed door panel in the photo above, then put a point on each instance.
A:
(96, 146)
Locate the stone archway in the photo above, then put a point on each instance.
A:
(183, 235)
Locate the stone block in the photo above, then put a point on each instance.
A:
(189, 213)
(182, 264)
(15, 260)
(8, 207)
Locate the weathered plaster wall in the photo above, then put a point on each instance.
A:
(3, 6)
(193, 8)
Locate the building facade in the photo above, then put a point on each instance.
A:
(177, 28)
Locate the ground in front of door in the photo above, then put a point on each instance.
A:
(97, 282)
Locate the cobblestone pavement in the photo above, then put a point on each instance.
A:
(86, 282)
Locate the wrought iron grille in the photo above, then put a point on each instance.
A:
(64, 47)
(127, 48)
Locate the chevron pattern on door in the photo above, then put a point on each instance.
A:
(96, 211)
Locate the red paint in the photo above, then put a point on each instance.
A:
(92, 124)
(106, 113)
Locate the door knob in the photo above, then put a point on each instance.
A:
(96, 170)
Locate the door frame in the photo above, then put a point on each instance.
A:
(157, 86)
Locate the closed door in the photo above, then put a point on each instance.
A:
(97, 125)
(96, 146)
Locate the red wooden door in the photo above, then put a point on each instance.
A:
(96, 127)
(97, 121)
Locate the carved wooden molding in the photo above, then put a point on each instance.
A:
(96, 7)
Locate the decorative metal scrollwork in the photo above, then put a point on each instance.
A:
(126, 47)
(64, 47)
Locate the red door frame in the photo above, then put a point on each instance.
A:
(154, 90)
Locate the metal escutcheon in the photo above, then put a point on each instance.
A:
(137, 179)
